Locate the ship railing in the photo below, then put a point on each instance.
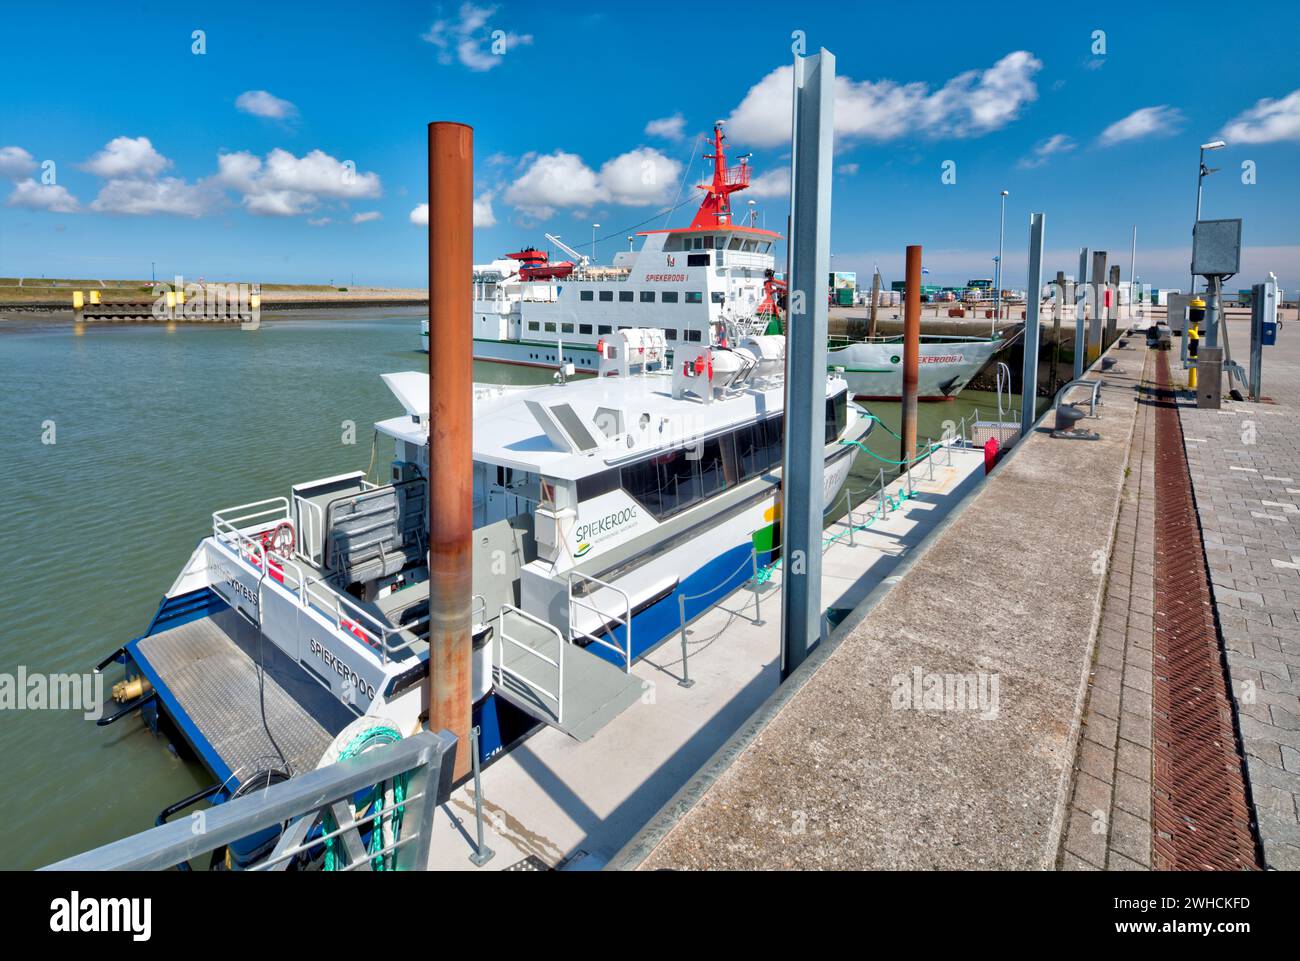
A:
(318, 806)
(235, 526)
(608, 621)
(500, 671)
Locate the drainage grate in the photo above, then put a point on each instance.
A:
(1202, 817)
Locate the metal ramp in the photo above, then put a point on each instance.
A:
(216, 685)
(555, 681)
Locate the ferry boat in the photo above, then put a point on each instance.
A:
(686, 281)
(597, 502)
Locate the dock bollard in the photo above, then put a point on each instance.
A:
(482, 854)
(681, 612)
(78, 300)
(758, 612)
(94, 297)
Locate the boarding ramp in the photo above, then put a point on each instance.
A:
(534, 666)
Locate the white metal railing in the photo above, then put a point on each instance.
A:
(311, 527)
(500, 670)
(235, 532)
(605, 619)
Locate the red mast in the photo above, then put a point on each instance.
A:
(715, 209)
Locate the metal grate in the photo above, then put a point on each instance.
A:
(1202, 816)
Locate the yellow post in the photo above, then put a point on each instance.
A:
(180, 296)
(94, 296)
(78, 300)
(1195, 314)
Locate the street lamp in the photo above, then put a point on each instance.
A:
(1201, 173)
(997, 279)
(594, 227)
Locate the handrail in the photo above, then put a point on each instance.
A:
(626, 620)
(1093, 401)
(305, 798)
(500, 668)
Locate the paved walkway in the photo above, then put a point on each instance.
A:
(1245, 467)
(938, 728)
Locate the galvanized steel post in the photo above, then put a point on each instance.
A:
(451, 263)
(1033, 294)
(805, 392)
(1080, 313)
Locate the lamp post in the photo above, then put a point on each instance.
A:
(594, 228)
(751, 213)
(630, 242)
(1201, 173)
(997, 280)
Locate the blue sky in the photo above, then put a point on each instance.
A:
(234, 163)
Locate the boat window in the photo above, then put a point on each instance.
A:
(694, 297)
(719, 242)
(586, 295)
(596, 484)
(534, 325)
(625, 296)
(718, 297)
(647, 296)
(764, 247)
(733, 244)
(607, 295)
(584, 328)
(670, 333)
(836, 416)
(566, 328)
(773, 437)
(550, 327)
(694, 336)
(749, 246)
(697, 243)
(669, 297)
(709, 460)
(604, 329)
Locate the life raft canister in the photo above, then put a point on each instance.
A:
(990, 454)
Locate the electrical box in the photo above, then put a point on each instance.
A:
(1216, 247)
(1268, 336)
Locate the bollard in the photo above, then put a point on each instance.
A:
(482, 853)
(94, 297)
(758, 611)
(78, 301)
(681, 613)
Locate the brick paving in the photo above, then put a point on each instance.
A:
(1109, 822)
(1245, 467)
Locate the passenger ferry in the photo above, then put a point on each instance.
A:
(597, 502)
(533, 311)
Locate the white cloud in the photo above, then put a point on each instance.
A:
(1146, 122)
(366, 216)
(483, 215)
(285, 185)
(970, 104)
(470, 40)
(1056, 144)
(640, 177)
(669, 128)
(554, 181)
(127, 157)
(169, 195)
(33, 196)
(1267, 122)
(15, 162)
(319, 221)
(774, 183)
(261, 103)
(848, 170)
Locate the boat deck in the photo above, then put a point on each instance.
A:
(216, 686)
(557, 802)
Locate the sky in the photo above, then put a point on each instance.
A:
(284, 142)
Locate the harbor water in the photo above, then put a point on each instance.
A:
(118, 443)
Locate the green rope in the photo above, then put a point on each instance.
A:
(372, 804)
(896, 463)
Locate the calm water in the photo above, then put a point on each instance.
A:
(153, 430)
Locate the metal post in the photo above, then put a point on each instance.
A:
(1212, 311)
(1098, 284)
(911, 355)
(1029, 373)
(1132, 276)
(997, 283)
(805, 357)
(875, 300)
(848, 500)
(451, 261)
(482, 853)
(758, 611)
(1080, 313)
(681, 613)
(1258, 294)
(929, 446)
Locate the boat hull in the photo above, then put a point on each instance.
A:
(874, 370)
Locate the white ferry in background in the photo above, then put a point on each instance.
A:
(301, 622)
(687, 282)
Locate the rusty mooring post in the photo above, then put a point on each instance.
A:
(451, 265)
(911, 353)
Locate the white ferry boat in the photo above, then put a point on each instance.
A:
(597, 502)
(532, 311)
